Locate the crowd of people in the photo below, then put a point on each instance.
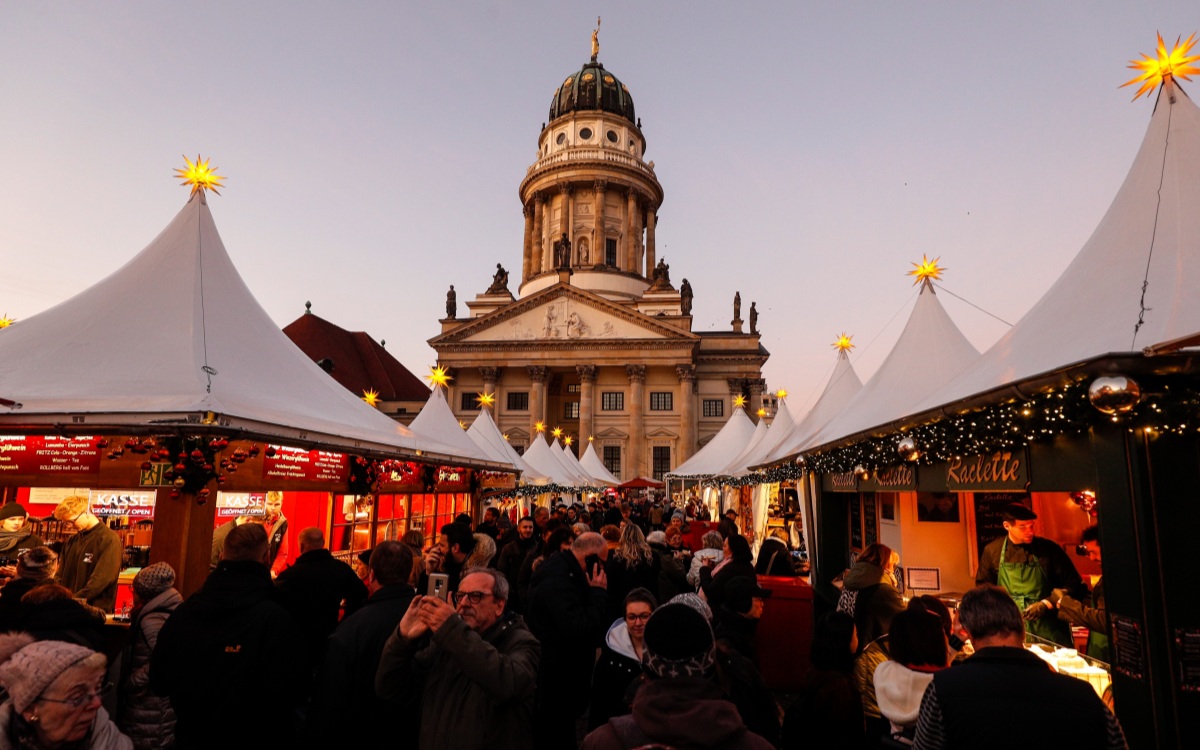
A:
(592, 627)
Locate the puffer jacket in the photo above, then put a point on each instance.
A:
(870, 597)
(618, 667)
(104, 735)
(147, 718)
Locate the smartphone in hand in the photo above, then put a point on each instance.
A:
(592, 564)
(439, 586)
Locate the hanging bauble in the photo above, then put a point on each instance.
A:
(204, 492)
(198, 456)
(102, 443)
(861, 472)
(907, 448)
(146, 466)
(164, 453)
(270, 451)
(175, 494)
(253, 451)
(1115, 394)
(180, 468)
(220, 479)
(180, 481)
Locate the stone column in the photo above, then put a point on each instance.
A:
(637, 416)
(539, 240)
(491, 376)
(755, 386)
(587, 381)
(651, 221)
(598, 228)
(625, 257)
(687, 412)
(537, 398)
(567, 193)
(527, 255)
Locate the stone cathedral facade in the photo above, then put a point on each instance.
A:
(597, 339)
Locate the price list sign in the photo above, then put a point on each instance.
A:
(49, 454)
(303, 465)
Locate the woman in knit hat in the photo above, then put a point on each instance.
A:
(147, 718)
(54, 693)
(37, 566)
(16, 535)
(679, 705)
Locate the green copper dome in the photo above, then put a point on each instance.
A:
(592, 88)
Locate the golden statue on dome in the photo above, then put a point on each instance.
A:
(596, 40)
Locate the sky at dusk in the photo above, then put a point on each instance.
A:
(809, 152)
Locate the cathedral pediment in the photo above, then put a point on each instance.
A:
(559, 314)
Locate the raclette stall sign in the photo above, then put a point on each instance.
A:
(297, 464)
(234, 504)
(453, 479)
(26, 455)
(125, 503)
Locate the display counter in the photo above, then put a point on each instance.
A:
(1076, 664)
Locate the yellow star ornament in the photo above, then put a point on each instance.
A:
(843, 343)
(927, 270)
(439, 375)
(6, 321)
(485, 399)
(200, 175)
(371, 396)
(1155, 70)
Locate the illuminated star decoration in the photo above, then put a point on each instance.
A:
(762, 412)
(568, 440)
(439, 375)
(539, 426)
(556, 432)
(485, 399)
(927, 270)
(371, 396)
(6, 321)
(781, 393)
(1173, 64)
(739, 400)
(200, 175)
(843, 343)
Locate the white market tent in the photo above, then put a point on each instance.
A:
(579, 475)
(729, 441)
(491, 441)
(757, 452)
(174, 337)
(1149, 237)
(842, 386)
(592, 464)
(930, 351)
(540, 456)
(578, 467)
(438, 422)
(732, 467)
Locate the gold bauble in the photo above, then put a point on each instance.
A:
(1115, 394)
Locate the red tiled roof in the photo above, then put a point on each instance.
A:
(359, 362)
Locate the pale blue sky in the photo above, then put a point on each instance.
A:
(809, 151)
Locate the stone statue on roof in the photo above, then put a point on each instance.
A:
(753, 318)
(685, 297)
(737, 305)
(499, 281)
(562, 253)
(451, 303)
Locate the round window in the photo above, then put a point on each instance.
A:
(612, 136)
(586, 134)
(561, 139)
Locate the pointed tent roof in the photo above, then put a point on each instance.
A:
(595, 467)
(173, 335)
(491, 441)
(729, 441)
(781, 426)
(843, 385)
(735, 464)
(569, 463)
(929, 352)
(539, 456)
(1150, 234)
(438, 422)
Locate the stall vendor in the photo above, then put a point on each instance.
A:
(16, 537)
(1092, 613)
(1029, 568)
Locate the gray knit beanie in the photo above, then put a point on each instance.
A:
(152, 580)
(28, 667)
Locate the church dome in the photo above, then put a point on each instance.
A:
(592, 88)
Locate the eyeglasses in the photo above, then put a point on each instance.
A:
(78, 701)
(474, 597)
(637, 618)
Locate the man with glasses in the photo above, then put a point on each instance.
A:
(471, 666)
(90, 561)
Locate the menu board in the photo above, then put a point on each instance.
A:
(988, 507)
(1129, 658)
(1187, 650)
(870, 518)
(49, 454)
(856, 532)
(130, 503)
(300, 464)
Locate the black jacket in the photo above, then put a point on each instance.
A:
(570, 618)
(345, 710)
(10, 600)
(227, 659)
(713, 586)
(512, 556)
(313, 589)
(90, 564)
(64, 620)
(625, 576)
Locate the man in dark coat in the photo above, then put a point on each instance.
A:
(489, 526)
(568, 613)
(512, 556)
(960, 706)
(227, 657)
(472, 667)
(314, 589)
(454, 545)
(90, 561)
(345, 685)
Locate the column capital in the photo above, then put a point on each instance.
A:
(600, 186)
(538, 199)
(587, 373)
(490, 374)
(686, 372)
(736, 385)
(565, 188)
(538, 374)
(636, 373)
(527, 211)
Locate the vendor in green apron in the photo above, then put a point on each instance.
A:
(1090, 613)
(1029, 568)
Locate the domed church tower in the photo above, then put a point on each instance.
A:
(591, 184)
(597, 343)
